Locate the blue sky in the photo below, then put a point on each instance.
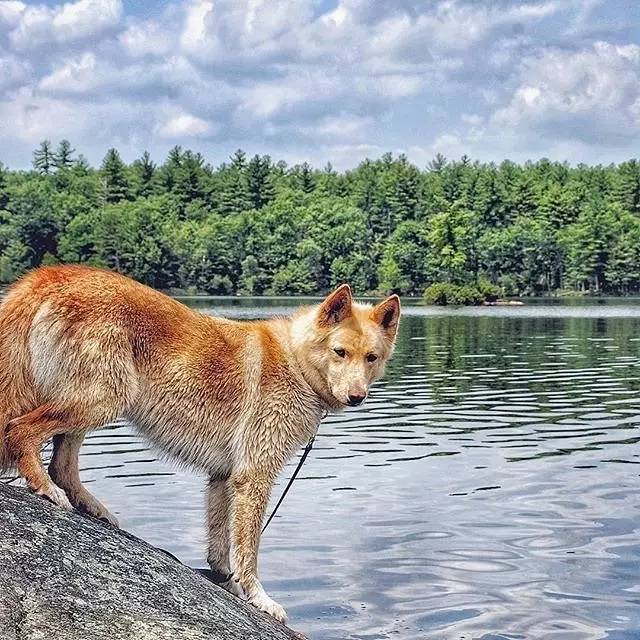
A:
(330, 80)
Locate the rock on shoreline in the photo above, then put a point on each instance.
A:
(67, 577)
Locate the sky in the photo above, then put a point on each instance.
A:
(323, 80)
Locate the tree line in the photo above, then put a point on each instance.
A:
(254, 226)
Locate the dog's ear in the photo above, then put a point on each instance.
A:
(387, 315)
(336, 306)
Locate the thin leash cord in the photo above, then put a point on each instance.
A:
(303, 457)
(305, 453)
(225, 578)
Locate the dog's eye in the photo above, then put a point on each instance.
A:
(341, 352)
(372, 357)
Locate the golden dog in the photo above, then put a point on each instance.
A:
(80, 347)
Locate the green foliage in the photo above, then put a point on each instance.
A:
(62, 159)
(405, 261)
(489, 291)
(447, 293)
(260, 182)
(253, 226)
(144, 171)
(43, 158)
(114, 174)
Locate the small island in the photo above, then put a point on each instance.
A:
(481, 293)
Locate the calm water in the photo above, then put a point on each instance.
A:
(488, 489)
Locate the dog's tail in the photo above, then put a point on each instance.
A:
(17, 311)
(8, 380)
(5, 463)
(5, 416)
(5, 413)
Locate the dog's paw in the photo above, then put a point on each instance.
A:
(109, 518)
(86, 503)
(56, 495)
(233, 586)
(266, 604)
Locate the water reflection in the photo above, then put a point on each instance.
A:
(489, 488)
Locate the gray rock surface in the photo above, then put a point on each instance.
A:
(65, 576)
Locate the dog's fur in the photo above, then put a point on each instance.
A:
(80, 347)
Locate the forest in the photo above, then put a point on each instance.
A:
(252, 226)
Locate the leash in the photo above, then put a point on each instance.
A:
(303, 457)
(305, 453)
(215, 576)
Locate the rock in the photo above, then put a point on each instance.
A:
(503, 303)
(64, 576)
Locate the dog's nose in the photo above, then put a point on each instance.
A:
(354, 401)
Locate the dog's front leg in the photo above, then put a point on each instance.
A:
(251, 491)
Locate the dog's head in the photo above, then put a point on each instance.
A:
(351, 344)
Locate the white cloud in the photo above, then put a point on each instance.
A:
(10, 12)
(74, 76)
(446, 27)
(185, 125)
(338, 127)
(243, 30)
(72, 22)
(90, 76)
(289, 78)
(264, 100)
(147, 39)
(29, 118)
(344, 124)
(13, 71)
(597, 88)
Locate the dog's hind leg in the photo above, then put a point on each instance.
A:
(218, 503)
(5, 462)
(64, 471)
(218, 521)
(26, 435)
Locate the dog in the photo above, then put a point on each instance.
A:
(81, 346)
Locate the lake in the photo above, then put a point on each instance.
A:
(488, 489)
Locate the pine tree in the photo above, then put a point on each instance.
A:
(307, 181)
(251, 276)
(588, 243)
(189, 178)
(233, 193)
(169, 170)
(370, 191)
(43, 158)
(145, 170)
(116, 185)
(62, 159)
(487, 202)
(623, 268)
(626, 186)
(557, 205)
(4, 195)
(402, 184)
(437, 164)
(259, 183)
(239, 160)
(175, 156)
(81, 166)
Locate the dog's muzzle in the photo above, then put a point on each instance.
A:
(354, 401)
